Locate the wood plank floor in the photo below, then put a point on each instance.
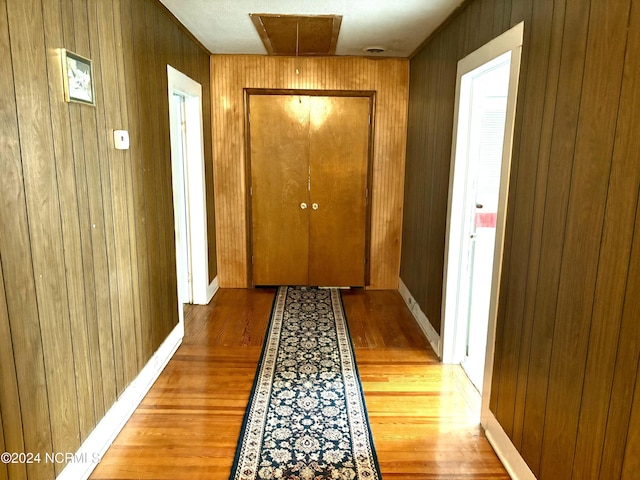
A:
(423, 415)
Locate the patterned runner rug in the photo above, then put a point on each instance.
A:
(306, 417)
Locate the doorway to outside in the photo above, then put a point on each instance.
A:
(486, 89)
(188, 182)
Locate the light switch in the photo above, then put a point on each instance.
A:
(121, 139)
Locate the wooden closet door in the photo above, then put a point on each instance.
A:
(279, 137)
(339, 154)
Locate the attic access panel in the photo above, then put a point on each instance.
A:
(295, 35)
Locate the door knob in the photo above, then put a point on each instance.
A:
(314, 206)
(303, 205)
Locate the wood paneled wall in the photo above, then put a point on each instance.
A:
(389, 78)
(568, 338)
(430, 125)
(87, 255)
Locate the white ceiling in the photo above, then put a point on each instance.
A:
(224, 26)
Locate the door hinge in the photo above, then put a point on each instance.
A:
(251, 259)
(251, 191)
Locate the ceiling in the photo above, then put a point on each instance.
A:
(224, 26)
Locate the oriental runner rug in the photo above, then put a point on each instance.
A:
(306, 417)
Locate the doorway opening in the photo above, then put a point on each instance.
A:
(486, 89)
(188, 181)
(183, 244)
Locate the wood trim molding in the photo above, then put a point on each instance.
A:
(310, 93)
(421, 318)
(256, 19)
(193, 199)
(212, 289)
(504, 448)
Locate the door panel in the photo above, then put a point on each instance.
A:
(339, 149)
(279, 129)
(311, 150)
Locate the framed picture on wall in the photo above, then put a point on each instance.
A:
(77, 73)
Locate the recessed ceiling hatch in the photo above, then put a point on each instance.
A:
(298, 35)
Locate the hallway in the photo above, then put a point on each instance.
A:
(423, 414)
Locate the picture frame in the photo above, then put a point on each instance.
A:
(77, 73)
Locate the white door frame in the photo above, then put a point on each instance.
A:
(510, 41)
(195, 197)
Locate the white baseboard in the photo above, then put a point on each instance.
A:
(212, 289)
(421, 318)
(507, 453)
(95, 446)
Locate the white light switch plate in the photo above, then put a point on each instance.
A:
(121, 139)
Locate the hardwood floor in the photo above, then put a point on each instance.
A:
(423, 415)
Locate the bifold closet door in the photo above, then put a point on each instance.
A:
(339, 151)
(279, 128)
(309, 161)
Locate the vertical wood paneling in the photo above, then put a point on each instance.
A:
(22, 326)
(4, 472)
(433, 80)
(614, 290)
(421, 170)
(124, 332)
(130, 329)
(44, 217)
(532, 92)
(498, 17)
(110, 333)
(443, 119)
(156, 167)
(631, 464)
(485, 27)
(207, 130)
(597, 123)
(555, 212)
(537, 221)
(135, 179)
(519, 10)
(389, 78)
(166, 49)
(628, 352)
(88, 166)
(84, 221)
(567, 349)
(11, 438)
(619, 423)
(85, 297)
(428, 199)
(69, 209)
(145, 169)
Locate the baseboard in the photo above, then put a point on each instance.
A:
(95, 446)
(507, 453)
(212, 289)
(421, 318)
